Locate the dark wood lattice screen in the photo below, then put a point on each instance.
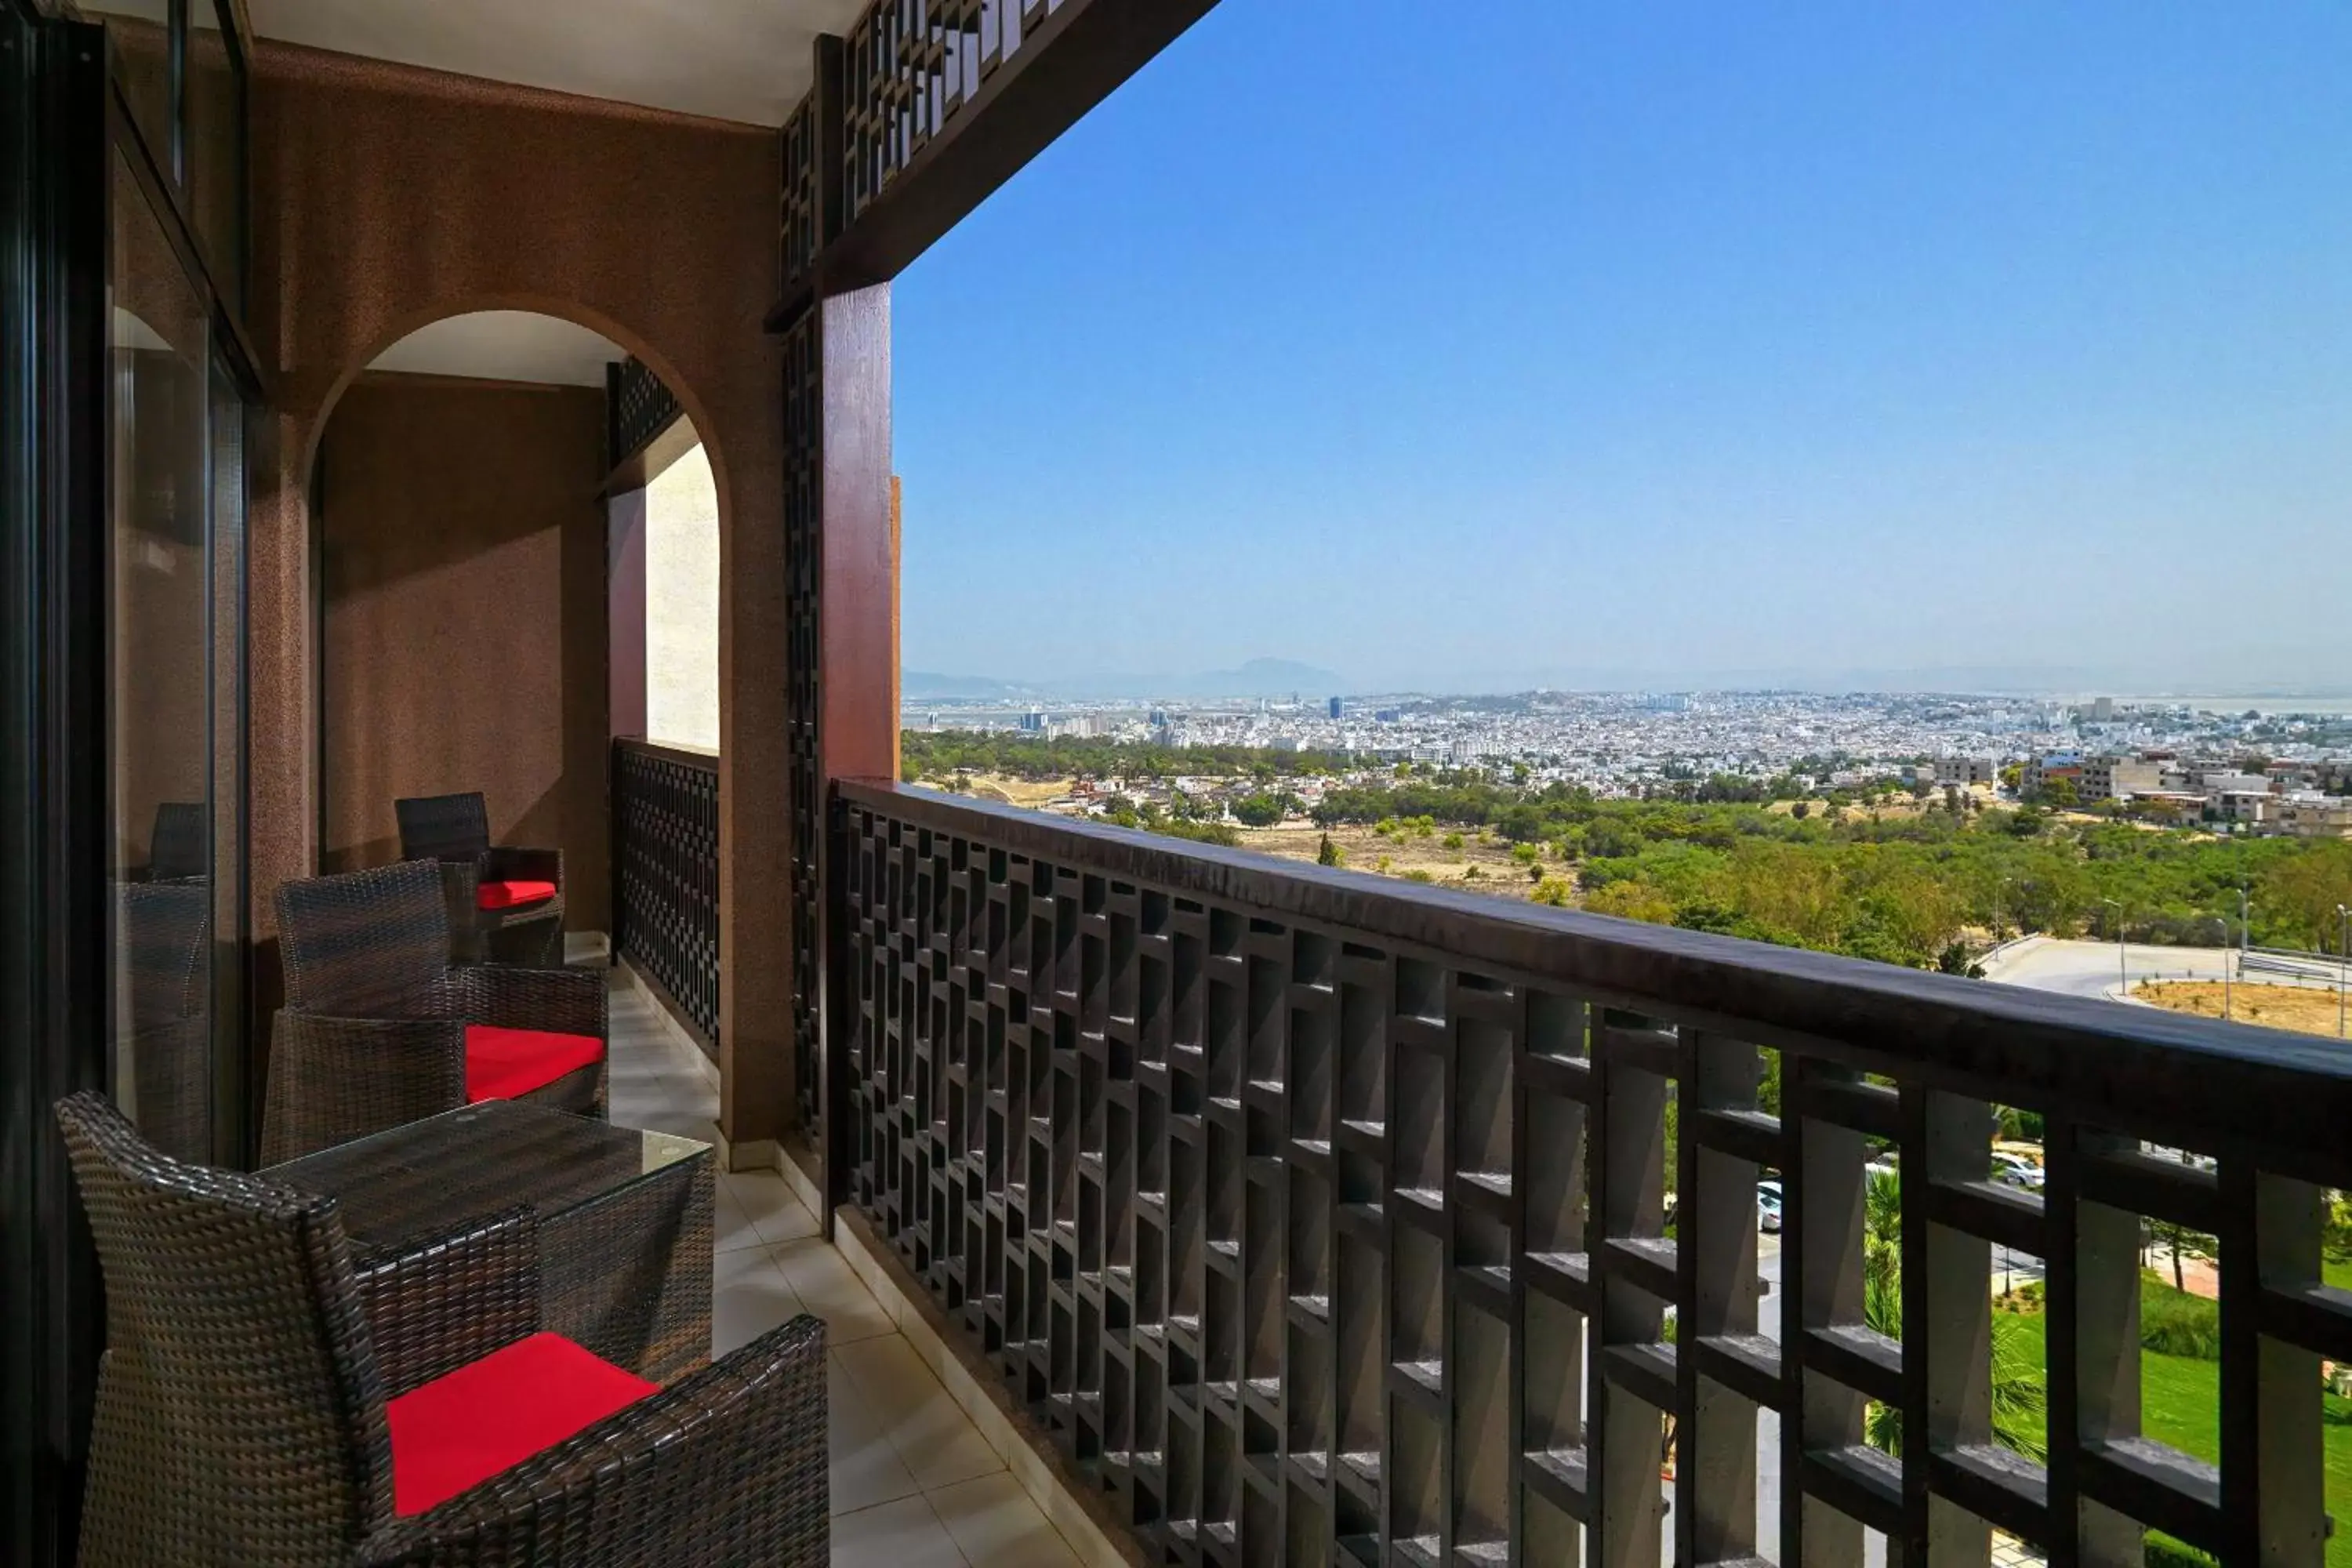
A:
(665, 857)
(910, 66)
(799, 217)
(1324, 1223)
(804, 562)
(639, 405)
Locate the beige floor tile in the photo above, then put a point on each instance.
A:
(682, 1124)
(691, 1093)
(731, 1229)
(995, 1525)
(769, 1204)
(928, 1428)
(638, 1110)
(826, 1287)
(865, 1469)
(902, 1534)
(749, 1296)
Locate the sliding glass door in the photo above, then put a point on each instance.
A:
(159, 752)
(125, 397)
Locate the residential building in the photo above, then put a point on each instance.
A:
(2043, 771)
(2109, 777)
(2308, 815)
(2243, 806)
(1967, 771)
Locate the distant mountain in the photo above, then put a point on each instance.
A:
(923, 685)
(1260, 677)
(1256, 678)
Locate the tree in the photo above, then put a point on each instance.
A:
(1634, 901)
(1801, 810)
(2020, 1401)
(1329, 854)
(2301, 893)
(1263, 809)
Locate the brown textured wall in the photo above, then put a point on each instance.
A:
(463, 648)
(386, 197)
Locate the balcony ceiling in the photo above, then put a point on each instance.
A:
(504, 345)
(731, 59)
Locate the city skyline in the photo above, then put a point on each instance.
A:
(1783, 345)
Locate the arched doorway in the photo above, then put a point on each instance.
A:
(459, 490)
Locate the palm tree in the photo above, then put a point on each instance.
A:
(2018, 1399)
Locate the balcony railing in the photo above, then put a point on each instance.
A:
(666, 874)
(1325, 1219)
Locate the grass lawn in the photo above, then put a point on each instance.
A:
(2180, 1405)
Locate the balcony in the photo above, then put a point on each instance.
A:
(1165, 1205)
(1311, 1217)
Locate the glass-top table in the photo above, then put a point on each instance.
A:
(623, 1217)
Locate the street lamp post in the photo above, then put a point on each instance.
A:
(2123, 965)
(2343, 964)
(2227, 963)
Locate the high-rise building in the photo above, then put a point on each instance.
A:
(1334, 707)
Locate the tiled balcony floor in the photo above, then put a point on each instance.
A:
(914, 1483)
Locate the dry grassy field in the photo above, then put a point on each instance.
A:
(2306, 1009)
(1018, 792)
(1497, 871)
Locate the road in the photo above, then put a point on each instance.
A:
(2090, 968)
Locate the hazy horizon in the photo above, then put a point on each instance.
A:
(1845, 339)
(1314, 685)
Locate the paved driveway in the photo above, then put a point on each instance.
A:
(2091, 969)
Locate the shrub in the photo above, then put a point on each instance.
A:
(2172, 1322)
(2163, 1551)
(1418, 877)
(1553, 890)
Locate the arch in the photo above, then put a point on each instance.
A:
(391, 199)
(420, 317)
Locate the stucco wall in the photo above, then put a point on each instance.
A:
(386, 197)
(682, 604)
(463, 633)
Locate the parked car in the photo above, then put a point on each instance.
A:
(1768, 1206)
(2015, 1169)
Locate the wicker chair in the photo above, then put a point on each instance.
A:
(164, 1039)
(380, 1028)
(504, 903)
(269, 1400)
(176, 847)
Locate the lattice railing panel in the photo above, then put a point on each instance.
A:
(1321, 1222)
(666, 854)
(804, 564)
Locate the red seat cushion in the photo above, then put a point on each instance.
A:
(507, 894)
(503, 1063)
(492, 1414)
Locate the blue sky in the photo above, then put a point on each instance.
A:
(1649, 343)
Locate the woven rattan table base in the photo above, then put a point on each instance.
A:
(624, 1252)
